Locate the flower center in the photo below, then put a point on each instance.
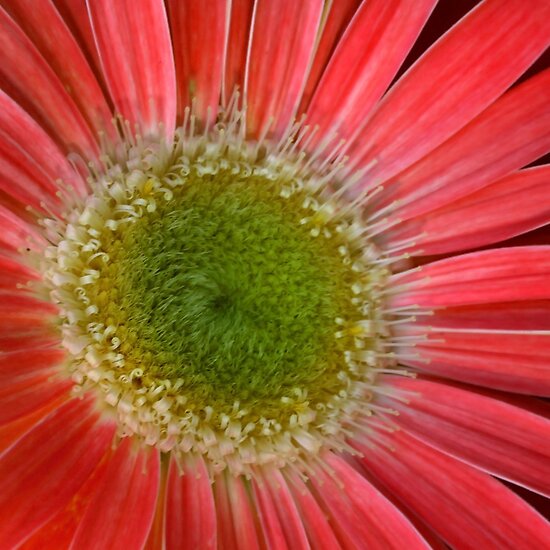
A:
(224, 289)
(221, 299)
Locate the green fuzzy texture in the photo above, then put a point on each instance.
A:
(224, 288)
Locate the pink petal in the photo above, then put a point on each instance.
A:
(506, 360)
(12, 432)
(27, 78)
(43, 24)
(189, 526)
(467, 508)
(360, 515)
(75, 15)
(281, 523)
(282, 45)
(22, 396)
(235, 515)
(48, 466)
(365, 61)
(333, 26)
(484, 431)
(319, 531)
(453, 82)
(156, 537)
(511, 206)
(14, 230)
(121, 512)
(474, 158)
(32, 163)
(12, 273)
(199, 37)
(499, 275)
(237, 47)
(136, 55)
(60, 530)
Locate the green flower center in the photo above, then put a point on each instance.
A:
(224, 288)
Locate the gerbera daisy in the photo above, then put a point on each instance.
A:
(252, 291)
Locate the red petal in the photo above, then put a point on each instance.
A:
(20, 397)
(198, 33)
(45, 27)
(60, 530)
(319, 532)
(499, 275)
(453, 82)
(511, 206)
(13, 274)
(366, 60)
(48, 466)
(332, 28)
(361, 515)
(468, 508)
(32, 163)
(27, 77)
(480, 429)
(75, 15)
(235, 516)
(282, 45)
(14, 230)
(474, 158)
(237, 47)
(281, 523)
(121, 512)
(515, 362)
(136, 55)
(189, 526)
(12, 432)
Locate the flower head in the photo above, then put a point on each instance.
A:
(253, 292)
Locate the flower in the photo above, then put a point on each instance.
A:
(266, 305)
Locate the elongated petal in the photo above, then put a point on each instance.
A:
(474, 157)
(43, 24)
(31, 164)
(361, 516)
(199, 37)
(190, 526)
(480, 429)
(454, 81)
(71, 441)
(281, 523)
(511, 206)
(319, 531)
(514, 361)
(120, 514)
(21, 365)
(60, 530)
(21, 397)
(12, 432)
(134, 45)
(12, 273)
(29, 80)
(332, 28)
(235, 516)
(283, 42)
(76, 17)
(26, 323)
(240, 22)
(365, 61)
(500, 275)
(15, 230)
(466, 507)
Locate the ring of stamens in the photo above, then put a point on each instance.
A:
(152, 392)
